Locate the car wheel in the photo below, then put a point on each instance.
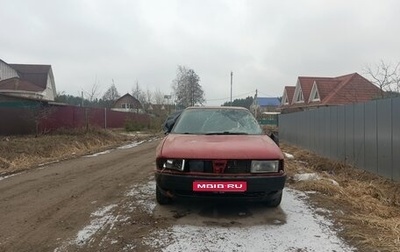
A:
(161, 198)
(275, 200)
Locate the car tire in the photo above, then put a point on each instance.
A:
(274, 201)
(161, 198)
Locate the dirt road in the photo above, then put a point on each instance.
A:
(105, 202)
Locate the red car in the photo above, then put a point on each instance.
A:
(218, 152)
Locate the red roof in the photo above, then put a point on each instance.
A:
(340, 90)
(326, 87)
(354, 88)
(290, 93)
(306, 84)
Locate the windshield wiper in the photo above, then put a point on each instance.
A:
(227, 133)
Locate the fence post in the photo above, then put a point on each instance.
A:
(105, 118)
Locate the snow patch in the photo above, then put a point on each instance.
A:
(141, 194)
(99, 153)
(312, 177)
(11, 175)
(306, 177)
(129, 146)
(103, 217)
(289, 156)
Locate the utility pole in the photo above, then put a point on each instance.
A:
(231, 86)
(255, 104)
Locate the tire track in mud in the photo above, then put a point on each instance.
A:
(43, 207)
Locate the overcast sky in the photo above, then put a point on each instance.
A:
(266, 44)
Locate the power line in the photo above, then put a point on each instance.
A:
(264, 94)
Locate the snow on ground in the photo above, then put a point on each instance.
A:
(141, 194)
(11, 175)
(304, 230)
(128, 146)
(131, 145)
(100, 218)
(289, 156)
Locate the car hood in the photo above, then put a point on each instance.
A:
(219, 147)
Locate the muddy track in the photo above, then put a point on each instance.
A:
(106, 202)
(45, 206)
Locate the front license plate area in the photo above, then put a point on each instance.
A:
(219, 186)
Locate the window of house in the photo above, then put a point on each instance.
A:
(299, 95)
(314, 94)
(126, 105)
(285, 100)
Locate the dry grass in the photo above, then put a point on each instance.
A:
(18, 153)
(367, 205)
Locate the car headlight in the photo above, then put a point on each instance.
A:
(264, 166)
(174, 164)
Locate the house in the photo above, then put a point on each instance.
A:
(128, 103)
(266, 104)
(314, 92)
(27, 81)
(265, 109)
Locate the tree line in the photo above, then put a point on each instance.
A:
(186, 87)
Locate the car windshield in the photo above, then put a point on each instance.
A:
(217, 121)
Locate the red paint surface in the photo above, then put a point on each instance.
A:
(219, 147)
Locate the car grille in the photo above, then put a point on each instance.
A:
(231, 166)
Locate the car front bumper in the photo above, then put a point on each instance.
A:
(258, 187)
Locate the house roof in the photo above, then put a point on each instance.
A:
(353, 88)
(19, 85)
(128, 97)
(268, 101)
(325, 87)
(289, 93)
(37, 74)
(339, 90)
(306, 84)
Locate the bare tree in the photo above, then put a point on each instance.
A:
(138, 93)
(187, 88)
(94, 92)
(111, 95)
(39, 114)
(386, 76)
(158, 97)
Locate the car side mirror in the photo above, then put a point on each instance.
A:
(170, 122)
(274, 137)
(168, 125)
